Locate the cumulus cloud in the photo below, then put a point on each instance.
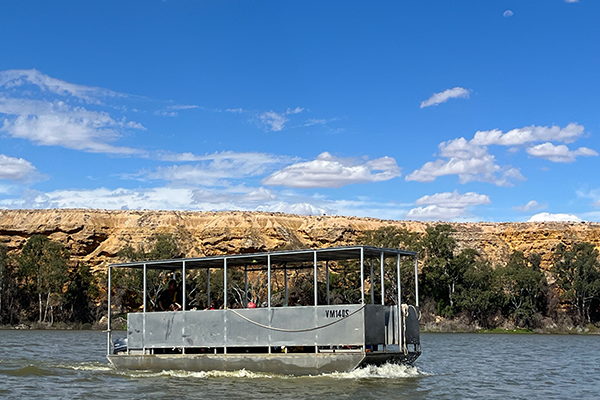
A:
(16, 169)
(38, 108)
(91, 132)
(548, 217)
(472, 161)
(333, 172)
(275, 121)
(528, 134)
(454, 199)
(560, 153)
(446, 206)
(435, 213)
(530, 206)
(295, 208)
(442, 97)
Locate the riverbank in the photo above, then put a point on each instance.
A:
(589, 329)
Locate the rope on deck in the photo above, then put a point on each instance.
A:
(295, 330)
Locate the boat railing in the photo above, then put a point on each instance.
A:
(354, 327)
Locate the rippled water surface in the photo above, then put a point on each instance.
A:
(68, 364)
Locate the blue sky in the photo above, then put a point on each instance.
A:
(429, 110)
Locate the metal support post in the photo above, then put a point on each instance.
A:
(183, 305)
(225, 283)
(382, 280)
(268, 280)
(399, 304)
(285, 283)
(108, 314)
(315, 280)
(144, 314)
(208, 288)
(372, 284)
(327, 279)
(417, 280)
(225, 305)
(246, 285)
(362, 276)
(398, 280)
(183, 288)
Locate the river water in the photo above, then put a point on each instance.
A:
(72, 364)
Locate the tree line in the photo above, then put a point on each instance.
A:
(43, 285)
(517, 292)
(40, 285)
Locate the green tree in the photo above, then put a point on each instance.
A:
(476, 288)
(577, 274)
(81, 291)
(440, 273)
(524, 287)
(43, 266)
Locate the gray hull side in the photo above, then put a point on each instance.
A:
(285, 364)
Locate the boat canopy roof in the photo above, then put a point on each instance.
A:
(276, 257)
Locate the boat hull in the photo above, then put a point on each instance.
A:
(285, 364)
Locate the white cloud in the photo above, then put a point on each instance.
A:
(276, 121)
(37, 109)
(571, 1)
(90, 132)
(454, 199)
(172, 111)
(507, 14)
(560, 153)
(435, 213)
(442, 97)
(471, 160)
(222, 199)
(528, 134)
(15, 78)
(530, 206)
(548, 217)
(312, 122)
(214, 169)
(446, 206)
(159, 198)
(474, 164)
(16, 169)
(333, 172)
(593, 194)
(295, 208)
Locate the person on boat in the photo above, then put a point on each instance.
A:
(170, 299)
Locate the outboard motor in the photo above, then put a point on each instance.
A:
(120, 345)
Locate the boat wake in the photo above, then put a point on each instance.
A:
(202, 374)
(386, 371)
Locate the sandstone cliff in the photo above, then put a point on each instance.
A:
(95, 236)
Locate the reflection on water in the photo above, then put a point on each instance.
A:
(67, 364)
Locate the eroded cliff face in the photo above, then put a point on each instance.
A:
(95, 236)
